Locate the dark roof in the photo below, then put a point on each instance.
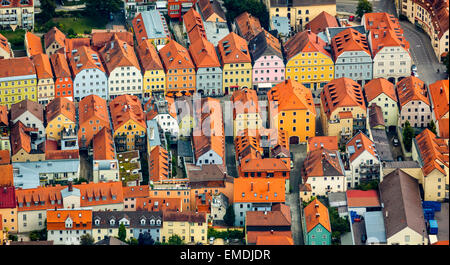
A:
(185, 148)
(381, 141)
(110, 241)
(7, 197)
(279, 216)
(375, 116)
(134, 218)
(284, 3)
(184, 217)
(211, 172)
(259, 46)
(34, 108)
(399, 192)
(334, 31)
(31, 243)
(207, 8)
(401, 164)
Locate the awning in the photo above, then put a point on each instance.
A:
(178, 94)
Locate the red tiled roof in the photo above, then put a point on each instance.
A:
(316, 213)
(321, 22)
(7, 197)
(124, 108)
(17, 3)
(244, 101)
(378, 86)
(361, 143)
(175, 56)
(148, 56)
(264, 188)
(36, 196)
(98, 190)
(359, 198)
(274, 240)
(6, 177)
(349, 40)
(136, 191)
(82, 219)
(100, 39)
(291, 95)
(54, 34)
(249, 26)
(34, 44)
(159, 204)
(233, 49)
(60, 66)
(60, 106)
(4, 45)
(321, 163)
(327, 142)
(83, 58)
(252, 236)
(20, 139)
(43, 66)
(158, 164)
(411, 88)
(4, 115)
(277, 217)
(305, 41)
(118, 53)
(16, 67)
(23, 106)
(103, 145)
(203, 53)
(440, 96)
(5, 157)
(433, 151)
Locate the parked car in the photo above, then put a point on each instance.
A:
(399, 158)
(211, 240)
(395, 142)
(363, 238)
(413, 68)
(351, 18)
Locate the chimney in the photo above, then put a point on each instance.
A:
(317, 39)
(317, 215)
(316, 205)
(268, 186)
(387, 214)
(251, 186)
(271, 231)
(70, 185)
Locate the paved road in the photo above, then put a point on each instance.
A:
(293, 199)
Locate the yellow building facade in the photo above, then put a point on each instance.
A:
(154, 81)
(60, 115)
(189, 232)
(236, 75)
(130, 129)
(245, 110)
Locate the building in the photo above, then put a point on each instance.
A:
(432, 17)
(414, 102)
(321, 22)
(60, 114)
(309, 62)
(207, 66)
(105, 165)
(316, 224)
(106, 224)
(299, 12)
(208, 135)
(190, 227)
(402, 210)
(363, 202)
(5, 48)
(151, 25)
(122, 66)
(236, 63)
(22, 147)
(256, 194)
(54, 40)
(89, 75)
(374, 225)
(131, 194)
(103, 196)
(342, 109)
(176, 8)
(439, 95)
(282, 26)
(65, 227)
(31, 114)
(193, 26)
(186, 114)
(100, 38)
(291, 108)
(163, 111)
(247, 26)
(46, 84)
(214, 20)
(432, 153)
(318, 142)
(128, 123)
(219, 206)
(260, 226)
(158, 164)
(364, 161)
(153, 135)
(133, 7)
(352, 56)
(130, 168)
(324, 171)
(110, 241)
(246, 112)
(33, 45)
(4, 129)
(267, 60)
(63, 76)
(390, 49)
(18, 81)
(17, 14)
(176, 191)
(92, 117)
(8, 207)
(153, 75)
(381, 92)
(179, 69)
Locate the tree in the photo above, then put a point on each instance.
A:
(408, 135)
(13, 237)
(86, 240)
(133, 241)
(229, 217)
(339, 225)
(255, 7)
(175, 240)
(364, 6)
(122, 232)
(432, 127)
(104, 8)
(71, 32)
(38, 235)
(145, 239)
(48, 8)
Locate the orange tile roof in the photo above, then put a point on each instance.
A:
(20, 139)
(60, 106)
(378, 86)
(6, 177)
(17, 3)
(54, 34)
(244, 101)
(83, 59)
(386, 38)
(103, 145)
(60, 66)
(411, 88)
(321, 163)
(341, 92)
(279, 216)
(100, 39)
(381, 20)
(62, 154)
(305, 41)
(249, 26)
(56, 220)
(148, 56)
(43, 66)
(4, 44)
(272, 137)
(442, 242)
(327, 142)
(290, 95)
(97, 190)
(175, 56)
(321, 22)
(439, 93)
(433, 151)
(34, 44)
(360, 139)
(359, 198)
(274, 240)
(92, 109)
(124, 108)
(203, 53)
(141, 191)
(4, 121)
(264, 188)
(159, 204)
(5, 157)
(194, 25)
(36, 196)
(444, 125)
(73, 44)
(316, 213)
(349, 40)
(233, 49)
(16, 67)
(252, 236)
(158, 164)
(118, 53)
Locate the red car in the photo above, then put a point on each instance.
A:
(351, 18)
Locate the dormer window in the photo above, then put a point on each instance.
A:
(90, 199)
(112, 222)
(97, 222)
(28, 204)
(142, 221)
(114, 197)
(97, 198)
(52, 202)
(152, 222)
(158, 222)
(104, 198)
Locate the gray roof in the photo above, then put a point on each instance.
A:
(375, 227)
(155, 24)
(75, 192)
(258, 47)
(282, 25)
(400, 195)
(111, 241)
(401, 164)
(337, 197)
(152, 125)
(185, 148)
(334, 31)
(215, 31)
(134, 217)
(27, 176)
(382, 145)
(283, 3)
